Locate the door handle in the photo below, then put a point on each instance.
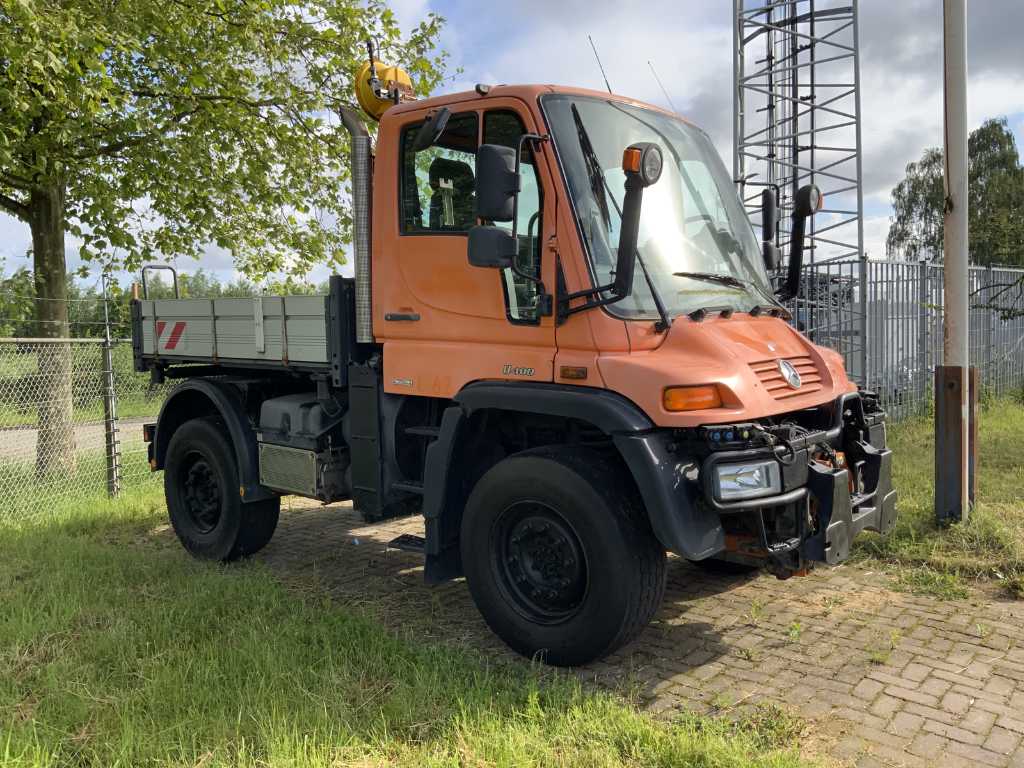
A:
(408, 317)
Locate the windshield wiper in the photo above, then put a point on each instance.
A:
(712, 277)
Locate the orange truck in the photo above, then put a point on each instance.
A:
(562, 346)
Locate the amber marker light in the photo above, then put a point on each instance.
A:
(691, 398)
(631, 159)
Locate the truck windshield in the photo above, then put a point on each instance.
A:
(695, 242)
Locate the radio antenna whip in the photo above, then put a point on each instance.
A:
(599, 65)
(662, 85)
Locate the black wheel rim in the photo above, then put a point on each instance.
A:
(201, 493)
(540, 563)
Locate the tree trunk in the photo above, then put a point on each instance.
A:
(55, 447)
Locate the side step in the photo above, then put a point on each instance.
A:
(409, 486)
(407, 542)
(423, 431)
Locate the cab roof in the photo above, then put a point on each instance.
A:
(528, 93)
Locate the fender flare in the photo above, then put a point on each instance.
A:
(679, 522)
(185, 402)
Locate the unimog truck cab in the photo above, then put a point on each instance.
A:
(562, 347)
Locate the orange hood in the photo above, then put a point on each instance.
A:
(741, 355)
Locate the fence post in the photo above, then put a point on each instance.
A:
(988, 377)
(923, 370)
(863, 276)
(113, 448)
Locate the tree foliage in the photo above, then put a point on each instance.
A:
(171, 125)
(995, 199)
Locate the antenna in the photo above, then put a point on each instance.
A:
(662, 85)
(599, 65)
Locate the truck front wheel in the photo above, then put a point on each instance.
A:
(559, 555)
(201, 486)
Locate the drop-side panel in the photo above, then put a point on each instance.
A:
(285, 329)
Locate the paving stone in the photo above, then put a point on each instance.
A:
(906, 724)
(867, 689)
(957, 703)
(1002, 741)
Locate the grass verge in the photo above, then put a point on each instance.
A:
(990, 545)
(115, 655)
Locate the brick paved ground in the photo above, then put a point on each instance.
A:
(884, 678)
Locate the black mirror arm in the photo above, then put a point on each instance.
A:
(534, 138)
(796, 257)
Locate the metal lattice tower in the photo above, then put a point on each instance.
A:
(796, 115)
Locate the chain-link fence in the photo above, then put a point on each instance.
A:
(71, 412)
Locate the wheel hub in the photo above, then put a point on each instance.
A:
(202, 495)
(542, 563)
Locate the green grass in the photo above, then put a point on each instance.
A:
(116, 649)
(990, 545)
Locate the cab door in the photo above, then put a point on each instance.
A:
(442, 322)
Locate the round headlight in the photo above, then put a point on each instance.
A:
(651, 164)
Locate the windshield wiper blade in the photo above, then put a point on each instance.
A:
(712, 277)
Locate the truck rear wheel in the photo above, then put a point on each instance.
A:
(201, 486)
(559, 555)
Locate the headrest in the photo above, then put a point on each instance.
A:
(460, 174)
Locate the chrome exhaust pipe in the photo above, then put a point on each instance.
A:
(361, 162)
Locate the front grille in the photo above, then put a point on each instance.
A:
(771, 377)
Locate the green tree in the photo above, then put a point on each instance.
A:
(996, 201)
(153, 128)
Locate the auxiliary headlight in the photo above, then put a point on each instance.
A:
(749, 480)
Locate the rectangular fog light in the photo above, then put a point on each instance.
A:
(749, 480)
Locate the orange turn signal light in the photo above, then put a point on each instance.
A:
(631, 160)
(691, 398)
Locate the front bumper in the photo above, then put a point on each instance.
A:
(822, 506)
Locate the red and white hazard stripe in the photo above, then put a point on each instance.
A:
(175, 336)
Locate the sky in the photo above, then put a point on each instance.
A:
(690, 44)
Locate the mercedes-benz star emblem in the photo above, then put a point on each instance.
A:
(790, 374)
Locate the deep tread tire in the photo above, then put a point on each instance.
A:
(241, 529)
(625, 564)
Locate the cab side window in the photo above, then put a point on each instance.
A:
(505, 127)
(437, 183)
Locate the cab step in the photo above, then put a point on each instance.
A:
(409, 486)
(423, 431)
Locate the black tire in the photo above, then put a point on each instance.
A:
(559, 555)
(201, 486)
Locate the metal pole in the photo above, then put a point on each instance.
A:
(737, 98)
(952, 443)
(111, 444)
(866, 381)
(923, 316)
(989, 377)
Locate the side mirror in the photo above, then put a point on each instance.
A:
(491, 247)
(431, 130)
(808, 201)
(771, 256)
(497, 182)
(642, 164)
